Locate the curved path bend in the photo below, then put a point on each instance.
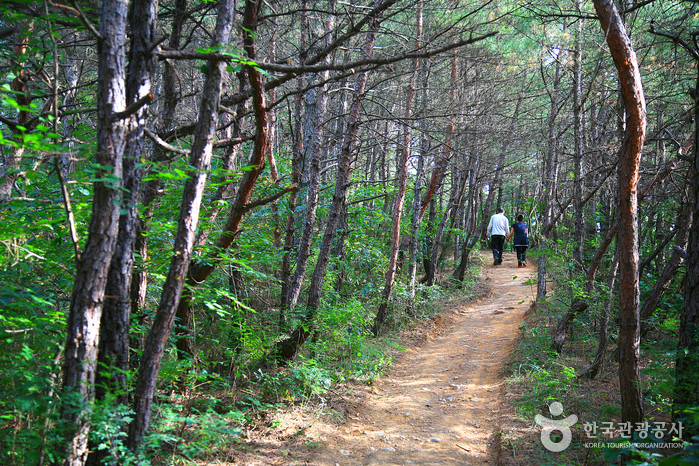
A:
(440, 403)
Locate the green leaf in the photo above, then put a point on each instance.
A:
(670, 461)
(611, 454)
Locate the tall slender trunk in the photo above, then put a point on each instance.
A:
(427, 263)
(91, 275)
(420, 202)
(630, 326)
(458, 186)
(470, 175)
(493, 188)
(200, 161)
(487, 208)
(430, 255)
(296, 160)
(288, 348)
(116, 316)
(226, 189)
(415, 220)
(686, 393)
(591, 371)
(578, 159)
(382, 312)
(580, 305)
(313, 156)
(685, 220)
(550, 182)
(10, 168)
(139, 282)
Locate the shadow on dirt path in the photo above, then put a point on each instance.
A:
(440, 403)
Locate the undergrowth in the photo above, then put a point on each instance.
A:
(537, 376)
(204, 409)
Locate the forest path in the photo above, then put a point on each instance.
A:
(440, 402)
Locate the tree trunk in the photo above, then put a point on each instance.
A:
(580, 304)
(578, 159)
(458, 274)
(455, 197)
(382, 313)
(313, 156)
(289, 347)
(87, 301)
(200, 161)
(115, 325)
(630, 325)
(10, 168)
(139, 282)
(296, 160)
(593, 369)
(685, 219)
(415, 220)
(427, 263)
(549, 184)
(686, 372)
(469, 175)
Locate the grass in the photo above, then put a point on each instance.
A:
(537, 376)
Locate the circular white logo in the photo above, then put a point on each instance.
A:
(549, 426)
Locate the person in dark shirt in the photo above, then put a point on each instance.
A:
(521, 243)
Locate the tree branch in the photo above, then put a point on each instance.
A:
(164, 145)
(11, 124)
(676, 39)
(294, 70)
(69, 210)
(252, 205)
(75, 8)
(134, 107)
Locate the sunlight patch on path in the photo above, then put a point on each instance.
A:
(440, 402)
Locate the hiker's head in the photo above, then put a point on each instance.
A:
(500, 210)
(520, 218)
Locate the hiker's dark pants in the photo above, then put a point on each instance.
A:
(497, 243)
(521, 254)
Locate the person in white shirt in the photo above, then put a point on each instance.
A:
(497, 230)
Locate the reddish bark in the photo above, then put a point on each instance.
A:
(626, 64)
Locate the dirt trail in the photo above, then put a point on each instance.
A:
(440, 402)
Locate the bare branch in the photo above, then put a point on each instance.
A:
(134, 107)
(75, 8)
(252, 205)
(676, 39)
(69, 210)
(294, 70)
(164, 145)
